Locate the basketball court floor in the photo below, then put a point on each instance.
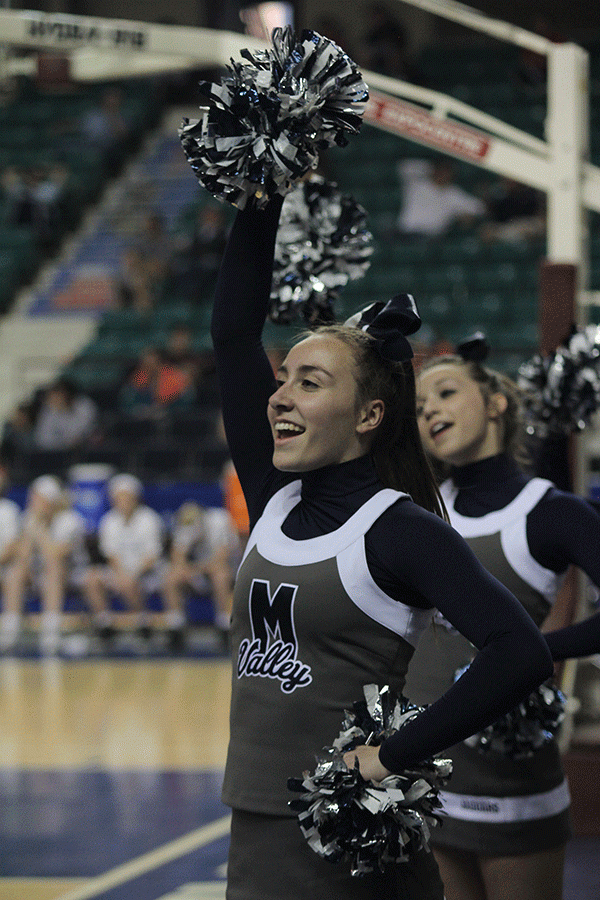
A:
(110, 775)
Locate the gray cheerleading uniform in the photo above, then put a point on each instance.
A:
(336, 582)
(495, 805)
(309, 628)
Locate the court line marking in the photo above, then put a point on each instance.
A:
(152, 860)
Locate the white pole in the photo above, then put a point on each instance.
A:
(471, 18)
(567, 133)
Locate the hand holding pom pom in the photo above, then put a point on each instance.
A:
(373, 820)
(368, 762)
(265, 125)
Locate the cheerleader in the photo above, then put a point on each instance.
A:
(505, 826)
(347, 555)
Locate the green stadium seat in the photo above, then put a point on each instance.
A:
(458, 248)
(524, 308)
(441, 278)
(482, 94)
(22, 245)
(105, 346)
(124, 345)
(19, 137)
(491, 305)
(91, 375)
(122, 320)
(391, 279)
(281, 335)
(200, 318)
(524, 337)
(494, 276)
(438, 309)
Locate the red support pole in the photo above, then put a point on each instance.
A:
(558, 283)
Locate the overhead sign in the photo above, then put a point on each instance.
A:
(67, 32)
(417, 124)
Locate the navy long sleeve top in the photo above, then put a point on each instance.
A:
(561, 530)
(410, 552)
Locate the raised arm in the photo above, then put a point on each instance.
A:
(245, 374)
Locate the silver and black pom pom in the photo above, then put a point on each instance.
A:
(525, 729)
(322, 243)
(562, 390)
(372, 825)
(265, 125)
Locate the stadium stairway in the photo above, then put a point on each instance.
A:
(56, 317)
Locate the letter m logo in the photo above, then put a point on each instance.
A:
(271, 615)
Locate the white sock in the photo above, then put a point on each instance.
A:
(51, 623)
(50, 633)
(10, 626)
(222, 620)
(174, 619)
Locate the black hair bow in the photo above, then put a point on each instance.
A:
(474, 348)
(389, 323)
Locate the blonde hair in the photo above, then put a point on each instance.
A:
(492, 382)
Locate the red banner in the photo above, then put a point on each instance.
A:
(409, 121)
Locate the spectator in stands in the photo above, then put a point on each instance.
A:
(516, 213)
(48, 191)
(145, 264)
(130, 540)
(10, 529)
(157, 386)
(179, 350)
(17, 204)
(203, 558)
(235, 503)
(34, 198)
(532, 67)
(66, 419)
(18, 434)
(431, 201)
(196, 265)
(50, 557)
(385, 44)
(107, 128)
(261, 18)
(209, 235)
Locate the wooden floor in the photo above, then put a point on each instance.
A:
(160, 715)
(110, 774)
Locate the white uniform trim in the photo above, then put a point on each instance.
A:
(347, 543)
(278, 548)
(408, 622)
(510, 523)
(473, 808)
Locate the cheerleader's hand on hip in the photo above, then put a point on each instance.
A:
(370, 767)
